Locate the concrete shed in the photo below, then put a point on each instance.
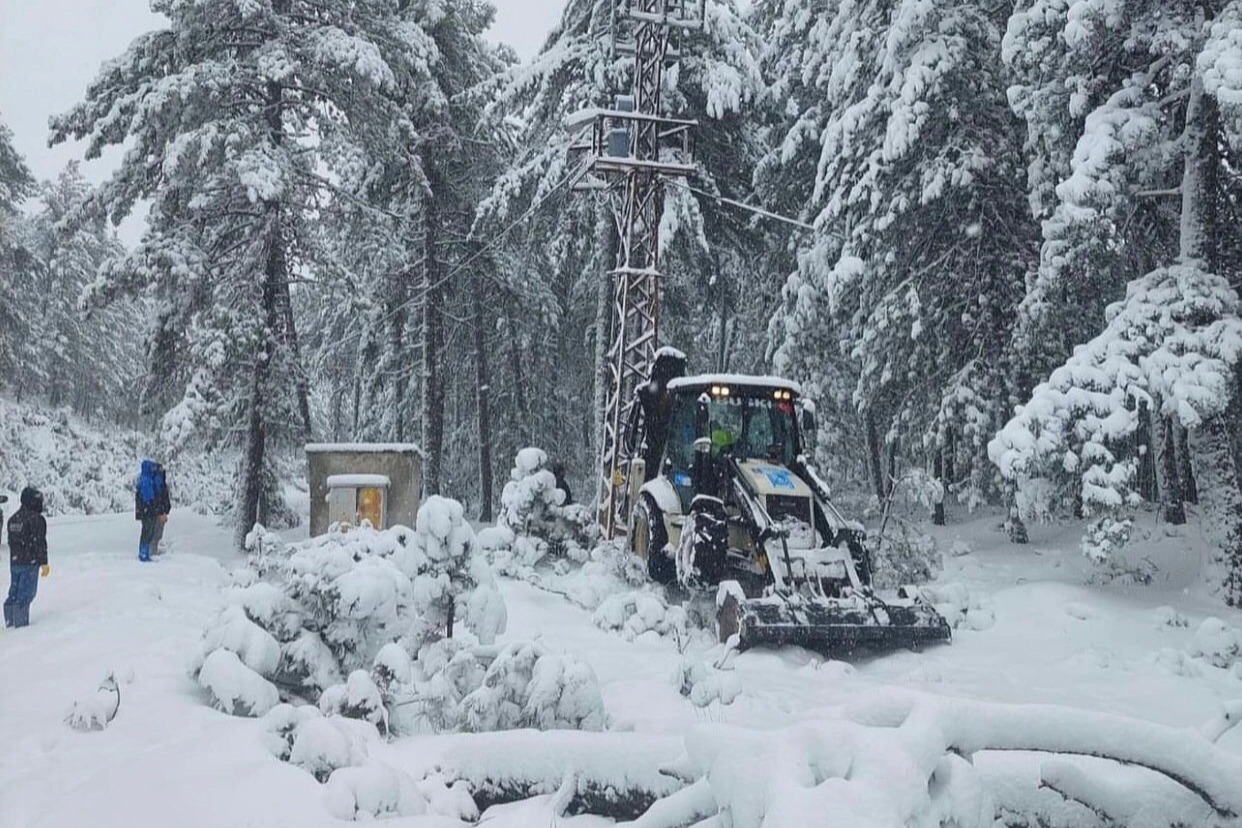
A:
(350, 481)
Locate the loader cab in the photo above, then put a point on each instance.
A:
(717, 418)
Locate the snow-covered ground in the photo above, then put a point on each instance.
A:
(1032, 632)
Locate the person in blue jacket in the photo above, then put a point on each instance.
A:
(150, 506)
(27, 557)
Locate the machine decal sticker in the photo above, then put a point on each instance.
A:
(778, 478)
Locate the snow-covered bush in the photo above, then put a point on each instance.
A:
(905, 555)
(529, 686)
(96, 711)
(309, 615)
(639, 611)
(704, 684)
(1218, 642)
(534, 520)
(955, 603)
(233, 687)
(1105, 538)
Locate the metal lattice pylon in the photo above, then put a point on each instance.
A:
(654, 147)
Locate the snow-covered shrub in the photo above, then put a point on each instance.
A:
(1105, 538)
(359, 604)
(639, 611)
(357, 698)
(233, 687)
(372, 792)
(1175, 662)
(1218, 642)
(704, 684)
(529, 686)
(96, 711)
(322, 744)
(905, 555)
(1167, 616)
(958, 606)
(534, 520)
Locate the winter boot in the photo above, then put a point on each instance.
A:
(144, 552)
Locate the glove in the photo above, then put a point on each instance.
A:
(163, 518)
(45, 570)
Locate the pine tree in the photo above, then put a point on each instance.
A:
(236, 113)
(17, 286)
(1155, 86)
(899, 143)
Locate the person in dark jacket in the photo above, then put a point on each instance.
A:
(150, 495)
(163, 505)
(27, 557)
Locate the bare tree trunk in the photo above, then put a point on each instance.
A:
(482, 400)
(396, 348)
(722, 355)
(1174, 510)
(1186, 473)
(938, 510)
(875, 457)
(1222, 505)
(432, 346)
(519, 378)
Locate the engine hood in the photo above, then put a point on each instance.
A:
(764, 478)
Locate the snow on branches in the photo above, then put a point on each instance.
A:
(535, 520)
(329, 606)
(1169, 348)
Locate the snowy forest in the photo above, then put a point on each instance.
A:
(1017, 280)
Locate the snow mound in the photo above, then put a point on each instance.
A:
(958, 606)
(96, 711)
(1166, 616)
(529, 686)
(704, 684)
(234, 631)
(321, 745)
(1175, 662)
(372, 792)
(1218, 642)
(235, 688)
(634, 613)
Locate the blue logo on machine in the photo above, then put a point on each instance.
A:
(778, 478)
(681, 479)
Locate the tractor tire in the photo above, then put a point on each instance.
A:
(648, 537)
(729, 622)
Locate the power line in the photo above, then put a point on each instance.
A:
(741, 206)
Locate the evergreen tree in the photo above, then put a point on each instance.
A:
(17, 287)
(898, 112)
(245, 118)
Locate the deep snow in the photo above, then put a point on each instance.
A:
(1043, 636)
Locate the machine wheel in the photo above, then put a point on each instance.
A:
(729, 621)
(648, 537)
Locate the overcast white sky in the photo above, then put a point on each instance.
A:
(51, 49)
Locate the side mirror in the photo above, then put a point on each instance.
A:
(4, 498)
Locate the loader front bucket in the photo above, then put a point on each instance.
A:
(830, 625)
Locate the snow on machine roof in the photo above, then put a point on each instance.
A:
(745, 380)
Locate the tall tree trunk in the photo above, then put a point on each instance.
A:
(518, 379)
(875, 456)
(1216, 468)
(1174, 510)
(432, 346)
(396, 350)
(1145, 447)
(606, 243)
(938, 510)
(290, 337)
(250, 492)
(722, 355)
(1186, 472)
(482, 397)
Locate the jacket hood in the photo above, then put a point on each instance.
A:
(32, 499)
(148, 467)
